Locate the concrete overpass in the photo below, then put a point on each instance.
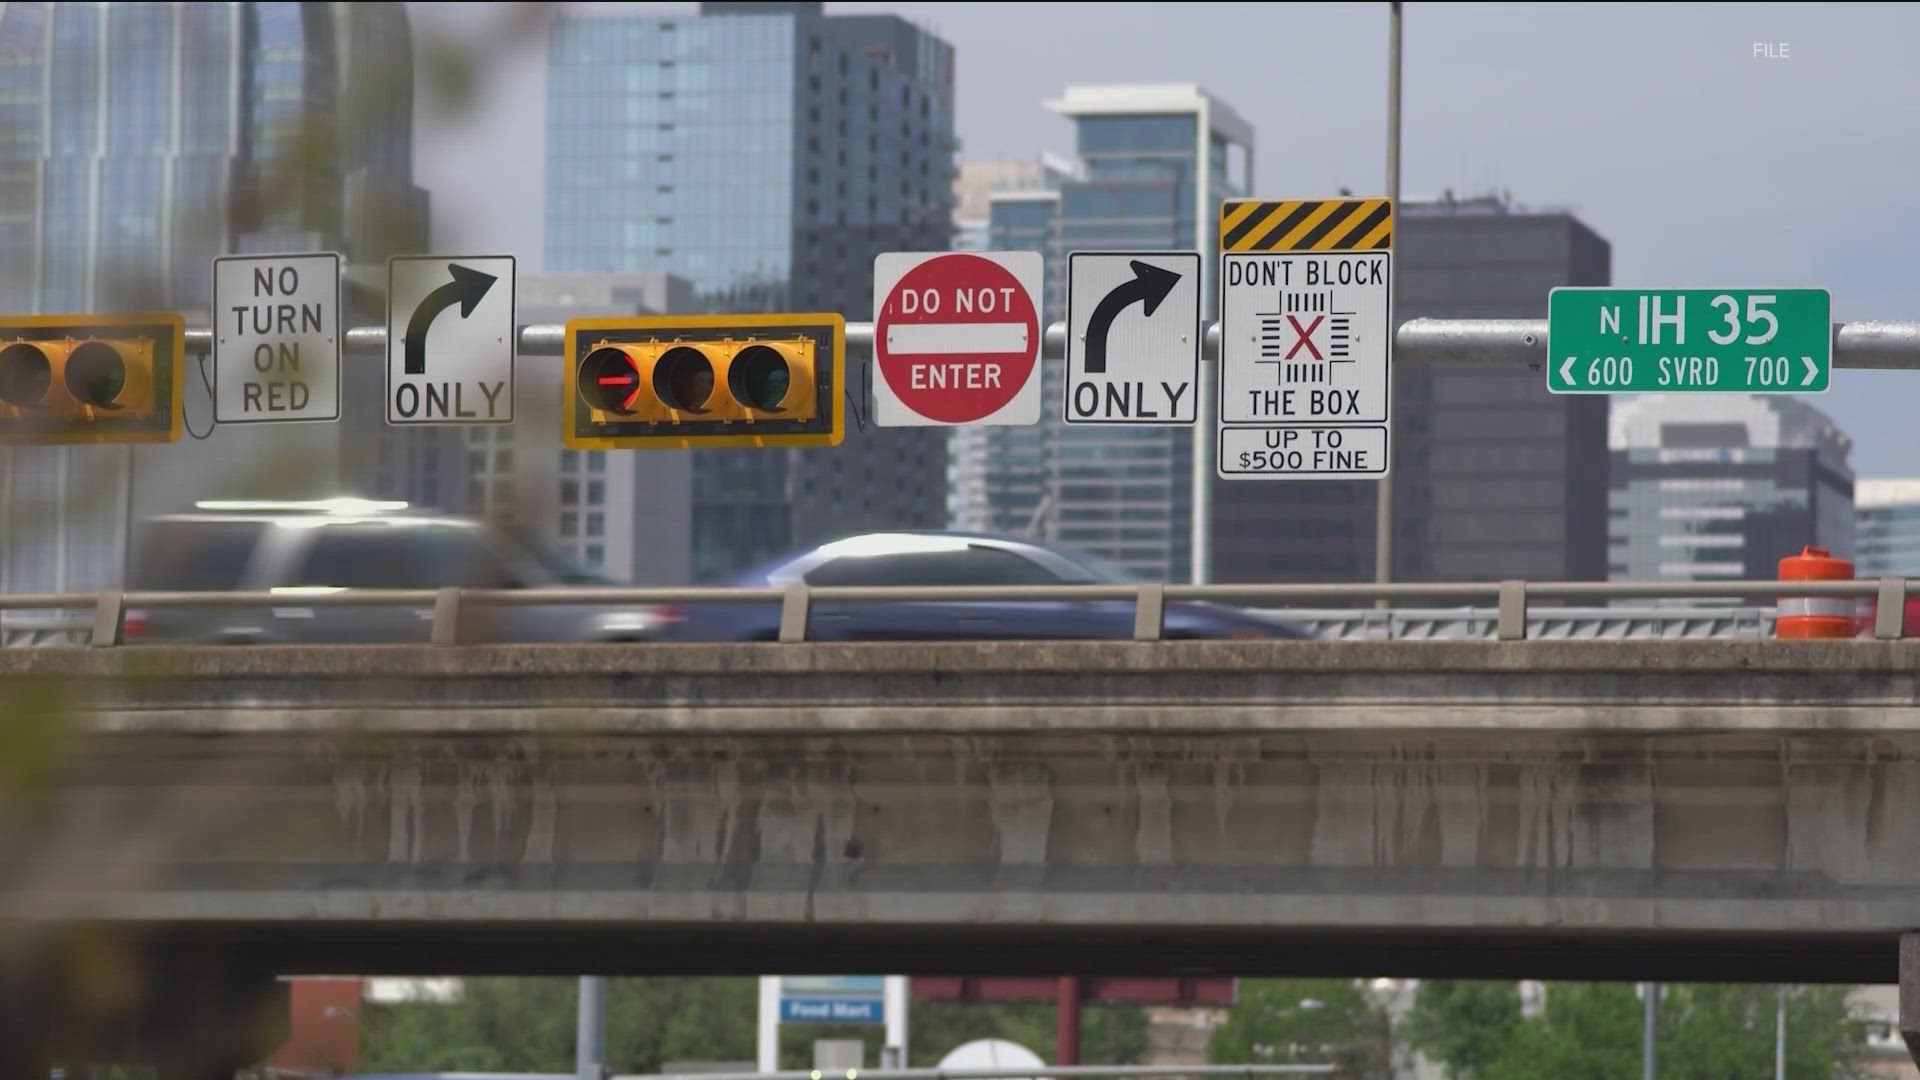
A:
(1682, 809)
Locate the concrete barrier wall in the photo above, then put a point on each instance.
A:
(1447, 796)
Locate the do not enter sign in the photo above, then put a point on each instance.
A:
(956, 338)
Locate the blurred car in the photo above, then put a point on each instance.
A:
(304, 549)
(951, 558)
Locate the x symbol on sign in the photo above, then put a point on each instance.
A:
(1305, 333)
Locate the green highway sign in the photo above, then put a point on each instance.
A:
(1714, 341)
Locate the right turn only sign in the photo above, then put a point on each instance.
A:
(1133, 337)
(1304, 332)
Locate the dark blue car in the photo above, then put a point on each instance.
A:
(947, 558)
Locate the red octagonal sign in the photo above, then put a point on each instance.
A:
(956, 338)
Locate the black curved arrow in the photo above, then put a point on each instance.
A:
(466, 289)
(1150, 285)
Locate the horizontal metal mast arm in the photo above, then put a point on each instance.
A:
(1511, 341)
(1524, 341)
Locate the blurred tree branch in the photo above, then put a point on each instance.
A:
(59, 853)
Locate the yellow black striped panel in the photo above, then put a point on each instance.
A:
(1306, 225)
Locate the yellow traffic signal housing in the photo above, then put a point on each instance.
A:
(684, 381)
(90, 378)
(705, 380)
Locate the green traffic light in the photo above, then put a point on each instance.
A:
(95, 375)
(25, 375)
(759, 378)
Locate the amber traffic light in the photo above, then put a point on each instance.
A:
(90, 378)
(704, 380)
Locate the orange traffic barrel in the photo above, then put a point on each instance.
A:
(1814, 616)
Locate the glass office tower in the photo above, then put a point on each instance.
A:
(137, 142)
(765, 153)
(1154, 163)
(1721, 487)
(1886, 531)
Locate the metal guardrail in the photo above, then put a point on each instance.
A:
(34, 630)
(1510, 615)
(1328, 624)
(1516, 341)
(1543, 623)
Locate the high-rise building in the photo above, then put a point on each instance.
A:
(765, 153)
(1154, 163)
(980, 181)
(999, 478)
(1886, 528)
(143, 139)
(1493, 476)
(624, 514)
(1721, 487)
(137, 142)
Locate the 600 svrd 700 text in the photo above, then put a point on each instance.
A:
(1693, 371)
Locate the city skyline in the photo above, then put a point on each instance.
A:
(800, 263)
(1710, 166)
(1328, 708)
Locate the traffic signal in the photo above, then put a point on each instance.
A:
(90, 378)
(705, 380)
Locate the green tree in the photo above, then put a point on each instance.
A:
(650, 1021)
(530, 1024)
(521, 1024)
(1593, 1031)
(1306, 1021)
(1109, 1034)
(1463, 1025)
(1586, 1031)
(496, 1025)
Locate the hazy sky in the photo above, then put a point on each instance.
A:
(1656, 124)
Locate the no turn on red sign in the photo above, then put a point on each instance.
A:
(956, 338)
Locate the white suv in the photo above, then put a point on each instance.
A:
(299, 550)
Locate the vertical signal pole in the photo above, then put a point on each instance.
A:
(1650, 1032)
(894, 998)
(1205, 424)
(1205, 444)
(590, 1042)
(769, 1041)
(1383, 511)
(1780, 1033)
(1066, 1021)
